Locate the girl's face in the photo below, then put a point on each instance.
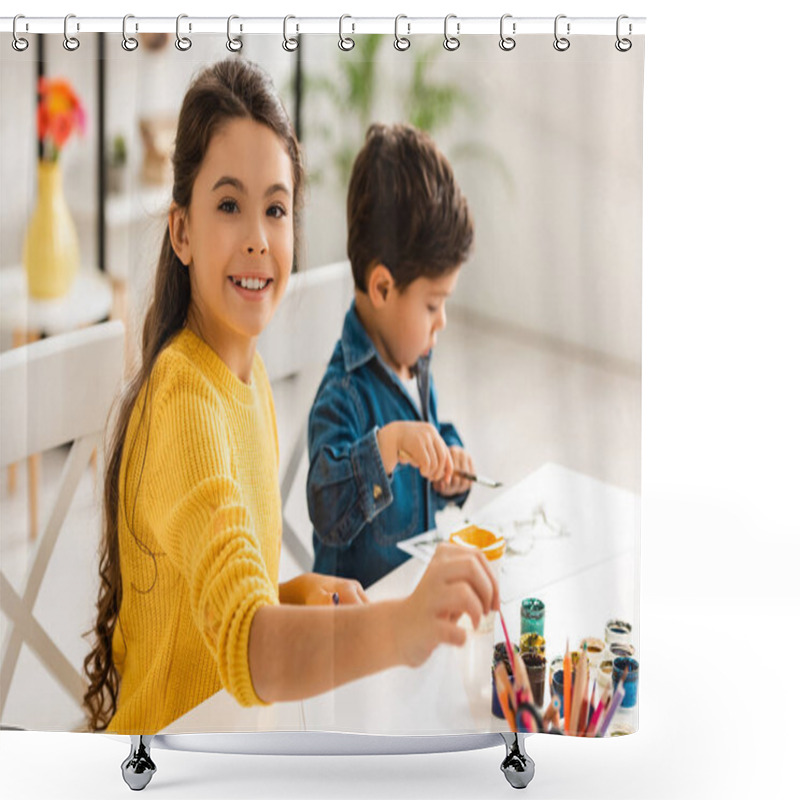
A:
(237, 237)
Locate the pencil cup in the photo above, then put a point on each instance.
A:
(631, 679)
(531, 616)
(536, 666)
(618, 630)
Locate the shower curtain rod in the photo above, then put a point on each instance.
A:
(405, 25)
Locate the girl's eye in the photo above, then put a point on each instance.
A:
(228, 206)
(276, 211)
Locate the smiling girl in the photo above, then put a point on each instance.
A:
(190, 600)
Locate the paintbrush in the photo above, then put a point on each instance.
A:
(478, 479)
(567, 688)
(615, 703)
(509, 648)
(405, 456)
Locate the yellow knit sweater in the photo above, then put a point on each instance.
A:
(199, 535)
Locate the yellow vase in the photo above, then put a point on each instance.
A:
(51, 254)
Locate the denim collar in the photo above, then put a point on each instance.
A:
(358, 348)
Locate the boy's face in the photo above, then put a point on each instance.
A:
(413, 317)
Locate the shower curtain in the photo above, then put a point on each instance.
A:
(534, 369)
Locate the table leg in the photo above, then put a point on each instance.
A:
(21, 337)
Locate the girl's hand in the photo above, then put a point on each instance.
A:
(457, 581)
(313, 589)
(418, 444)
(462, 461)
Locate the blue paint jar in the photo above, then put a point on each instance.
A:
(531, 616)
(631, 679)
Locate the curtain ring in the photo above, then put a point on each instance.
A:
(345, 42)
(401, 42)
(234, 43)
(183, 43)
(561, 43)
(451, 43)
(129, 43)
(71, 43)
(507, 42)
(290, 43)
(623, 45)
(18, 43)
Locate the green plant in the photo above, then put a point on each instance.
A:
(119, 151)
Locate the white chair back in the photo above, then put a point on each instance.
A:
(298, 343)
(54, 392)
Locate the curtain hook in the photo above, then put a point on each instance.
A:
(401, 42)
(561, 43)
(290, 43)
(183, 43)
(18, 43)
(345, 42)
(71, 43)
(234, 43)
(623, 45)
(507, 42)
(129, 43)
(451, 43)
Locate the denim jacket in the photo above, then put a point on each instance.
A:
(359, 512)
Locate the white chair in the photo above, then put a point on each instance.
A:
(54, 392)
(295, 347)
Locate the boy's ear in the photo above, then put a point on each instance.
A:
(179, 234)
(379, 284)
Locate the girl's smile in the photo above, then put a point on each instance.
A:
(252, 287)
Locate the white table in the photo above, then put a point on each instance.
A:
(585, 578)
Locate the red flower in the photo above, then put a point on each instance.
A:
(59, 113)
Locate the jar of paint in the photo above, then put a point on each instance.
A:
(621, 650)
(532, 643)
(631, 679)
(493, 546)
(557, 690)
(618, 630)
(531, 616)
(536, 667)
(594, 650)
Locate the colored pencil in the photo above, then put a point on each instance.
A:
(598, 712)
(589, 711)
(505, 695)
(581, 673)
(567, 687)
(615, 703)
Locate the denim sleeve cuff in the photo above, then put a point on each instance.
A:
(373, 484)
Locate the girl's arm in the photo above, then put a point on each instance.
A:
(297, 652)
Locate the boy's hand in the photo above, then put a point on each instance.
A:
(462, 461)
(418, 444)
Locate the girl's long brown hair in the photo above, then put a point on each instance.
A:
(230, 89)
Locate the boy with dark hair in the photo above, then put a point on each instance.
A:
(381, 463)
